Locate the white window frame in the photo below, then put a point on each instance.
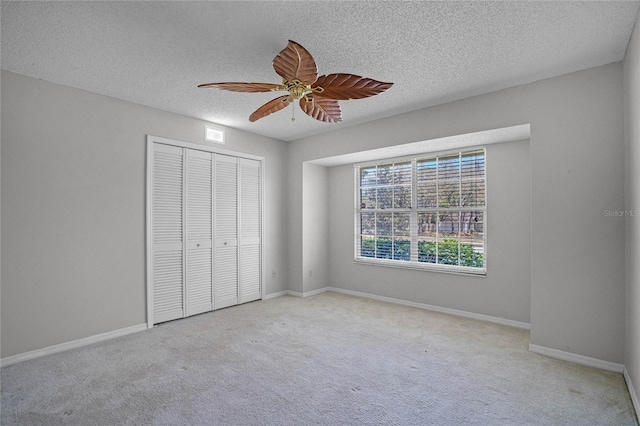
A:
(413, 263)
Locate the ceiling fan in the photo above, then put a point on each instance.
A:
(318, 96)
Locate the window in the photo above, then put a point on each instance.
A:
(427, 212)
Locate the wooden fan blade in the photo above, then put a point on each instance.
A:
(244, 87)
(270, 107)
(348, 86)
(322, 109)
(294, 62)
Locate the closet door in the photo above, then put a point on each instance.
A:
(199, 197)
(166, 233)
(204, 230)
(226, 231)
(250, 224)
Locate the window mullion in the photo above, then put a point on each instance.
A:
(413, 217)
(375, 221)
(437, 230)
(394, 170)
(358, 212)
(459, 202)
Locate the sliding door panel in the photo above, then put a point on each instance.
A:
(250, 230)
(199, 198)
(167, 238)
(226, 231)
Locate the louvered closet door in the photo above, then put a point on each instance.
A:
(199, 197)
(226, 231)
(250, 223)
(167, 226)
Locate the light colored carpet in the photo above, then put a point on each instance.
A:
(329, 359)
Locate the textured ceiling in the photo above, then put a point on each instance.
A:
(156, 53)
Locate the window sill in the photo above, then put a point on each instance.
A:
(427, 267)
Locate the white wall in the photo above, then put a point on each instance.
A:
(504, 292)
(73, 210)
(294, 272)
(576, 153)
(632, 203)
(315, 253)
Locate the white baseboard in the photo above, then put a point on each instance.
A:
(276, 294)
(578, 359)
(314, 292)
(71, 345)
(632, 391)
(297, 293)
(433, 308)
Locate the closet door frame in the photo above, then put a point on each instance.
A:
(151, 140)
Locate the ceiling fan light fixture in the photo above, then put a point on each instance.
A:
(318, 96)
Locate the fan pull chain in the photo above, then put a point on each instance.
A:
(293, 111)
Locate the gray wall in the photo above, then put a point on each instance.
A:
(632, 203)
(577, 158)
(73, 179)
(73, 210)
(315, 254)
(504, 292)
